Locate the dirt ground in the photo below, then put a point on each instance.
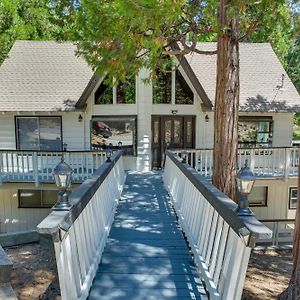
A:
(268, 274)
(34, 273)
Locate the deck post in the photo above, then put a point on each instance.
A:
(35, 166)
(1, 168)
(287, 163)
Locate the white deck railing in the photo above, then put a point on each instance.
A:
(37, 166)
(220, 240)
(79, 235)
(264, 162)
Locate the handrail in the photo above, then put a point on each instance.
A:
(220, 240)
(79, 235)
(282, 234)
(279, 162)
(37, 166)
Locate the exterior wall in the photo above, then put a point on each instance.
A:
(282, 127)
(277, 199)
(13, 218)
(72, 129)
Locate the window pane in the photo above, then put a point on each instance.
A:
(293, 197)
(189, 131)
(108, 131)
(30, 198)
(49, 198)
(168, 131)
(183, 93)
(258, 195)
(162, 88)
(255, 133)
(50, 133)
(28, 133)
(104, 94)
(126, 91)
(156, 132)
(177, 131)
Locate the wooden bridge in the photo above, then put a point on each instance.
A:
(156, 235)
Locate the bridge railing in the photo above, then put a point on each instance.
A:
(79, 235)
(264, 162)
(220, 240)
(37, 166)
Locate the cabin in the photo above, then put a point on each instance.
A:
(52, 105)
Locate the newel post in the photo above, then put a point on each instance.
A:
(287, 163)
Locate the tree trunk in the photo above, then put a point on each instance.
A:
(226, 103)
(293, 290)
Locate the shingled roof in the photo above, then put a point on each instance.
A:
(47, 76)
(261, 85)
(42, 76)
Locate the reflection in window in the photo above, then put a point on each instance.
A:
(293, 198)
(37, 198)
(168, 131)
(177, 131)
(189, 131)
(255, 132)
(109, 131)
(183, 93)
(258, 196)
(39, 133)
(126, 91)
(162, 88)
(156, 132)
(104, 94)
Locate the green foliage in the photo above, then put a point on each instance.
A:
(30, 20)
(119, 37)
(293, 64)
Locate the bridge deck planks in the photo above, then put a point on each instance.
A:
(146, 256)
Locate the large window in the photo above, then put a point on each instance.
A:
(255, 132)
(183, 93)
(293, 198)
(258, 196)
(37, 198)
(109, 131)
(124, 93)
(162, 89)
(39, 133)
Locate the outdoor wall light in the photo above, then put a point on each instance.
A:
(184, 155)
(80, 118)
(120, 144)
(62, 174)
(245, 180)
(174, 111)
(206, 118)
(108, 155)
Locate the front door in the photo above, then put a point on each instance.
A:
(177, 132)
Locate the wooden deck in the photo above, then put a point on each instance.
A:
(146, 255)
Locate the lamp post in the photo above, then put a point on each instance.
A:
(184, 155)
(62, 175)
(108, 154)
(245, 180)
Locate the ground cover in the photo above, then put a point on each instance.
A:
(34, 273)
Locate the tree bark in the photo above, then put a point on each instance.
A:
(293, 290)
(226, 102)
